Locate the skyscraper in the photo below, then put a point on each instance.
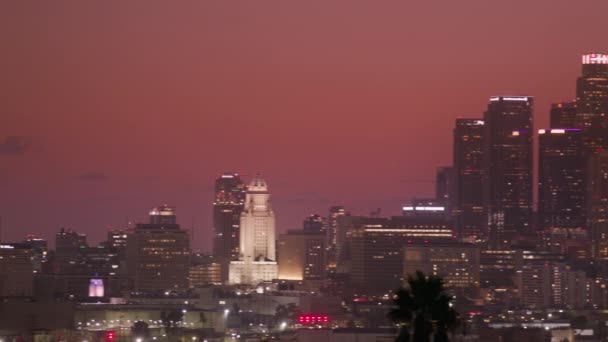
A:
(592, 90)
(507, 161)
(68, 246)
(335, 212)
(597, 204)
(227, 207)
(561, 179)
(468, 178)
(314, 223)
(563, 115)
(158, 253)
(302, 255)
(257, 260)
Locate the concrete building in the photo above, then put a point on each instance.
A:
(227, 207)
(257, 260)
(561, 179)
(204, 270)
(158, 253)
(16, 270)
(377, 249)
(302, 255)
(468, 179)
(597, 204)
(507, 163)
(457, 263)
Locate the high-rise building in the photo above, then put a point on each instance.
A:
(592, 90)
(444, 187)
(507, 161)
(377, 248)
(335, 212)
(468, 178)
(16, 270)
(227, 207)
(257, 260)
(597, 204)
(314, 223)
(158, 253)
(563, 115)
(163, 214)
(40, 253)
(561, 179)
(117, 241)
(302, 255)
(68, 246)
(457, 263)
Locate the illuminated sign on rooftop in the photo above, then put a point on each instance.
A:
(509, 98)
(595, 58)
(558, 130)
(424, 208)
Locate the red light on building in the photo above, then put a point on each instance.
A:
(110, 335)
(313, 319)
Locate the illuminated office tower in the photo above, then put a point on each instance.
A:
(468, 178)
(592, 90)
(158, 253)
(563, 115)
(561, 179)
(597, 204)
(507, 163)
(335, 212)
(257, 260)
(227, 207)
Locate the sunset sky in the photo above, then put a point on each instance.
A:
(109, 108)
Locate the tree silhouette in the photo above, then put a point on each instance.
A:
(423, 306)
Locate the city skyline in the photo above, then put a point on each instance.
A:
(86, 154)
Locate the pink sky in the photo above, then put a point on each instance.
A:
(125, 105)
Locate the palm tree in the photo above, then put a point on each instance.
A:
(424, 306)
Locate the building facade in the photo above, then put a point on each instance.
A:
(227, 207)
(468, 210)
(457, 263)
(561, 179)
(302, 255)
(257, 260)
(507, 161)
(158, 253)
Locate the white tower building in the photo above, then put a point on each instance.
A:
(257, 261)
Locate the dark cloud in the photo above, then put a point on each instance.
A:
(92, 176)
(15, 145)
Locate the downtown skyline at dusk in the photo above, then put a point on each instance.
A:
(108, 111)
